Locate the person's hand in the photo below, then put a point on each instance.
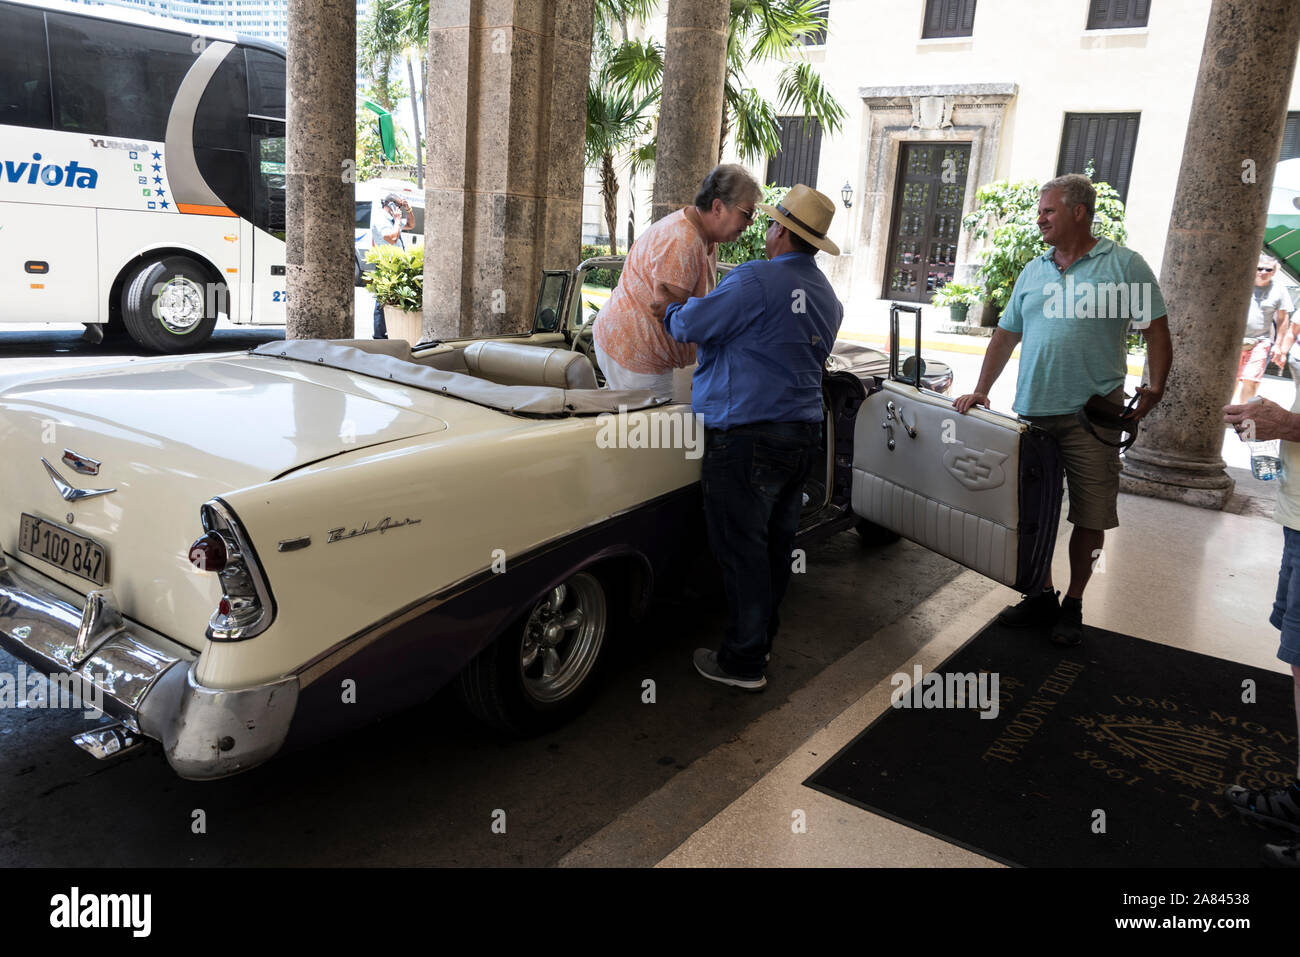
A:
(1258, 420)
(1147, 402)
(1278, 358)
(963, 403)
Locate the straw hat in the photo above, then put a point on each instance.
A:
(807, 213)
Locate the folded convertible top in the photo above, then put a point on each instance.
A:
(516, 399)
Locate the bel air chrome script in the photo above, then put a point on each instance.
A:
(384, 524)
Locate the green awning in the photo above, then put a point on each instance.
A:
(1282, 240)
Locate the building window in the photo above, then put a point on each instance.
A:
(819, 37)
(1117, 14)
(1291, 137)
(801, 148)
(1106, 140)
(948, 18)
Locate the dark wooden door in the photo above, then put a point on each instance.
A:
(927, 218)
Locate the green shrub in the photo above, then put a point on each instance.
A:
(398, 277)
(607, 278)
(1006, 215)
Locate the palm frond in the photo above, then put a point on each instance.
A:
(636, 66)
(802, 92)
(755, 127)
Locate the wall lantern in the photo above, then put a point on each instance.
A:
(847, 194)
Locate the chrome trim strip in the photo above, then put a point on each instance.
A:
(359, 640)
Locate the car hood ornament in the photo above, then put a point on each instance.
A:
(69, 493)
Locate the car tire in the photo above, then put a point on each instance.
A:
(871, 535)
(166, 306)
(542, 670)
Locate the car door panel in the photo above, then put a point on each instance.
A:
(982, 489)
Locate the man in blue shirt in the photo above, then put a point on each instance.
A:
(1073, 306)
(763, 337)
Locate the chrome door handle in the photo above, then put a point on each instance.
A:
(890, 430)
(894, 412)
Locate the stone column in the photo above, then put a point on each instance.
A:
(1216, 231)
(690, 112)
(320, 168)
(507, 86)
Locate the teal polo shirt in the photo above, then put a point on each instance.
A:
(1073, 324)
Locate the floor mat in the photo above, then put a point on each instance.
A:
(1114, 754)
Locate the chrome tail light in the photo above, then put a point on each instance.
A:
(246, 608)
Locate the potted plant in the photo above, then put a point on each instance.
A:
(958, 297)
(1006, 215)
(398, 283)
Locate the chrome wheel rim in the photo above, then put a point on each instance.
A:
(562, 639)
(179, 306)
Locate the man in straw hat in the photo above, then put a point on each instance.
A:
(763, 337)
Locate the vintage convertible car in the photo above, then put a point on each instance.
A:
(246, 552)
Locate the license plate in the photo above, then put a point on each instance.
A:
(63, 548)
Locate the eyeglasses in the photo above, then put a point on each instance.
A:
(1267, 269)
(749, 214)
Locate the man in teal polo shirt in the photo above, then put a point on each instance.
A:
(1071, 309)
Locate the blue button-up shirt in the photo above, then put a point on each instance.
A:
(763, 337)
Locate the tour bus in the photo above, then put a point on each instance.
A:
(142, 171)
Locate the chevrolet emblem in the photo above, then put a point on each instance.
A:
(79, 463)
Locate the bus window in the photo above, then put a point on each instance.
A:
(115, 78)
(268, 186)
(266, 82)
(24, 69)
(363, 216)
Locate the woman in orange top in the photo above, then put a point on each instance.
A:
(673, 260)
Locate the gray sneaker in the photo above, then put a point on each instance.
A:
(706, 663)
(1283, 855)
(1272, 805)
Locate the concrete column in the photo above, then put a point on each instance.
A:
(507, 85)
(690, 112)
(1216, 231)
(320, 168)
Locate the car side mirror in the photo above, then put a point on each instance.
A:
(910, 370)
(547, 321)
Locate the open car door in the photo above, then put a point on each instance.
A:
(983, 489)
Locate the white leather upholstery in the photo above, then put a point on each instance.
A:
(954, 488)
(511, 363)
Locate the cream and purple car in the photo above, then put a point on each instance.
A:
(242, 553)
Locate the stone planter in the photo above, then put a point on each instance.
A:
(989, 315)
(402, 324)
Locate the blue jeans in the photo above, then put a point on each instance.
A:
(753, 478)
(381, 327)
(1286, 606)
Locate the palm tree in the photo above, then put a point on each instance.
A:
(772, 30)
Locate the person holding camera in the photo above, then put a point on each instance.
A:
(386, 230)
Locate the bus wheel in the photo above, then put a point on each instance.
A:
(168, 305)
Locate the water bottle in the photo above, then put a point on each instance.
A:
(1265, 460)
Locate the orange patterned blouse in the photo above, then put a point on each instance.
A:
(671, 252)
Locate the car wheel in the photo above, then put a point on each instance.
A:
(872, 535)
(167, 305)
(542, 670)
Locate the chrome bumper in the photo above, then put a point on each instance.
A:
(146, 681)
